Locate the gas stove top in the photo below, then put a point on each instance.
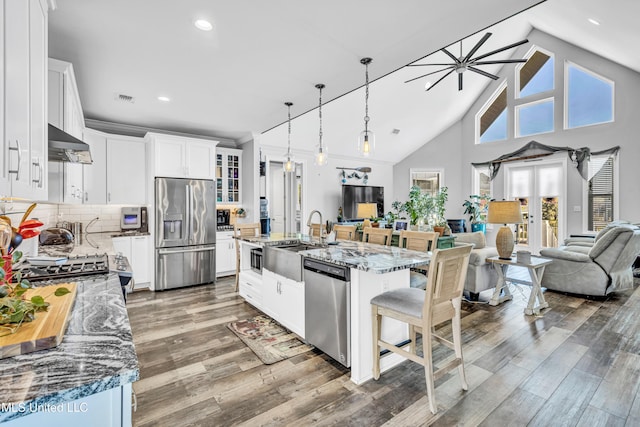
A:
(75, 267)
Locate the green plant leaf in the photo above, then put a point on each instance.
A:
(19, 291)
(61, 291)
(37, 300)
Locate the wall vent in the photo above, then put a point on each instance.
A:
(125, 98)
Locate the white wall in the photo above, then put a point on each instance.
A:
(455, 148)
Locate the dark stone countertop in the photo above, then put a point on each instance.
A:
(96, 354)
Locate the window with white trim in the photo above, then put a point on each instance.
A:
(600, 195)
(534, 117)
(589, 97)
(491, 121)
(536, 75)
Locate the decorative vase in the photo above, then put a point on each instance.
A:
(375, 224)
(439, 229)
(479, 226)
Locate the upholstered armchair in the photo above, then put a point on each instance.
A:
(480, 274)
(595, 270)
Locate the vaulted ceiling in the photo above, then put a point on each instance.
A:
(232, 81)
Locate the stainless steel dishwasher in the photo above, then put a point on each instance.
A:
(328, 308)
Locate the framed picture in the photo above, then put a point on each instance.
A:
(400, 224)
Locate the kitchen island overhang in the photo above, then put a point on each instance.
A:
(374, 269)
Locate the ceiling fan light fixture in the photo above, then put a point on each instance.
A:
(322, 153)
(366, 139)
(468, 62)
(289, 164)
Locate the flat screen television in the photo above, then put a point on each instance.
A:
(354, 194)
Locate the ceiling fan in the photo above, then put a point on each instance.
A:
(464, 63)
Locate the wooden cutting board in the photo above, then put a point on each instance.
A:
(48, 329)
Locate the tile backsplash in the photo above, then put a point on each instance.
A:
(108, 215)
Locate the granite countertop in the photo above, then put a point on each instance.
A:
(362, 256)
(96, 354)
(377, 259)
(88, 244)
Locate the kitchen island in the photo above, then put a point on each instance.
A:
(374, 269)
(86, 380)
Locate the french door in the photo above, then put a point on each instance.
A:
(540, 189)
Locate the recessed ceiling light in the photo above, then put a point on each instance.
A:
(203, 25)
(593, 21)
(164, 98)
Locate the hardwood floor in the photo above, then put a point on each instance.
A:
(578, 364)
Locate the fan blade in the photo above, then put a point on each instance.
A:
(493, 52)
(456, 60)
(460, 81)
(503, 61)
(428, 74)
(476, 47)
(440, 79)
(484, 73)
(424, 65)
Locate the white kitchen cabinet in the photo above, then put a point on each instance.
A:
(182, 157)
(283, 300)
(94, 176)
(225, 253)
(65, 112)
(126, 170)
(22, 118)
(65, 182)
(65, 109)
(228, 175)
(139, 253)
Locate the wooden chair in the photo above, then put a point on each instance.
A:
(243, 230)
(345, 232)
(378, 236)
(314, 230)
(422, 241)
(423, 310)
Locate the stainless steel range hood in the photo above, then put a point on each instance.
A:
(66, 148)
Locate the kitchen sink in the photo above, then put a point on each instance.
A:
(286, 260)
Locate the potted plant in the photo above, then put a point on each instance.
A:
(418, 205)
(438, 202)
(477, 208)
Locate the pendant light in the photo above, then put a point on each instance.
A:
(322, 152)
(289, 164)
(366, 139)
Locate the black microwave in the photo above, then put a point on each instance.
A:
(223, 216)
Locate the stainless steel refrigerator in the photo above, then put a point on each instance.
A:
(185, 232)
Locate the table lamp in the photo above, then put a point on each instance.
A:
(504, 212)
(366, 211)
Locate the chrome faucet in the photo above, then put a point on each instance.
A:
(322, 235)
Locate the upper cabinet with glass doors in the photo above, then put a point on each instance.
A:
(228, 175)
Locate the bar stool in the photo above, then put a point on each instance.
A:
(344, 232)
(378, 236)
(422, 241)
(423, 310)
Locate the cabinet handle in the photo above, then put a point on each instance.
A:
(86, 196)
(38, 181)
(17, 170)
(108, 197)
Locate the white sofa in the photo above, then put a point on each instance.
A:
(480, 274)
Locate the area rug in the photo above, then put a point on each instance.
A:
(268, 339)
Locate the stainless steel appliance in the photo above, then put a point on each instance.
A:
(256, 260)
(130, 218)
(185, 232)
(327, 308)
(77, 266)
